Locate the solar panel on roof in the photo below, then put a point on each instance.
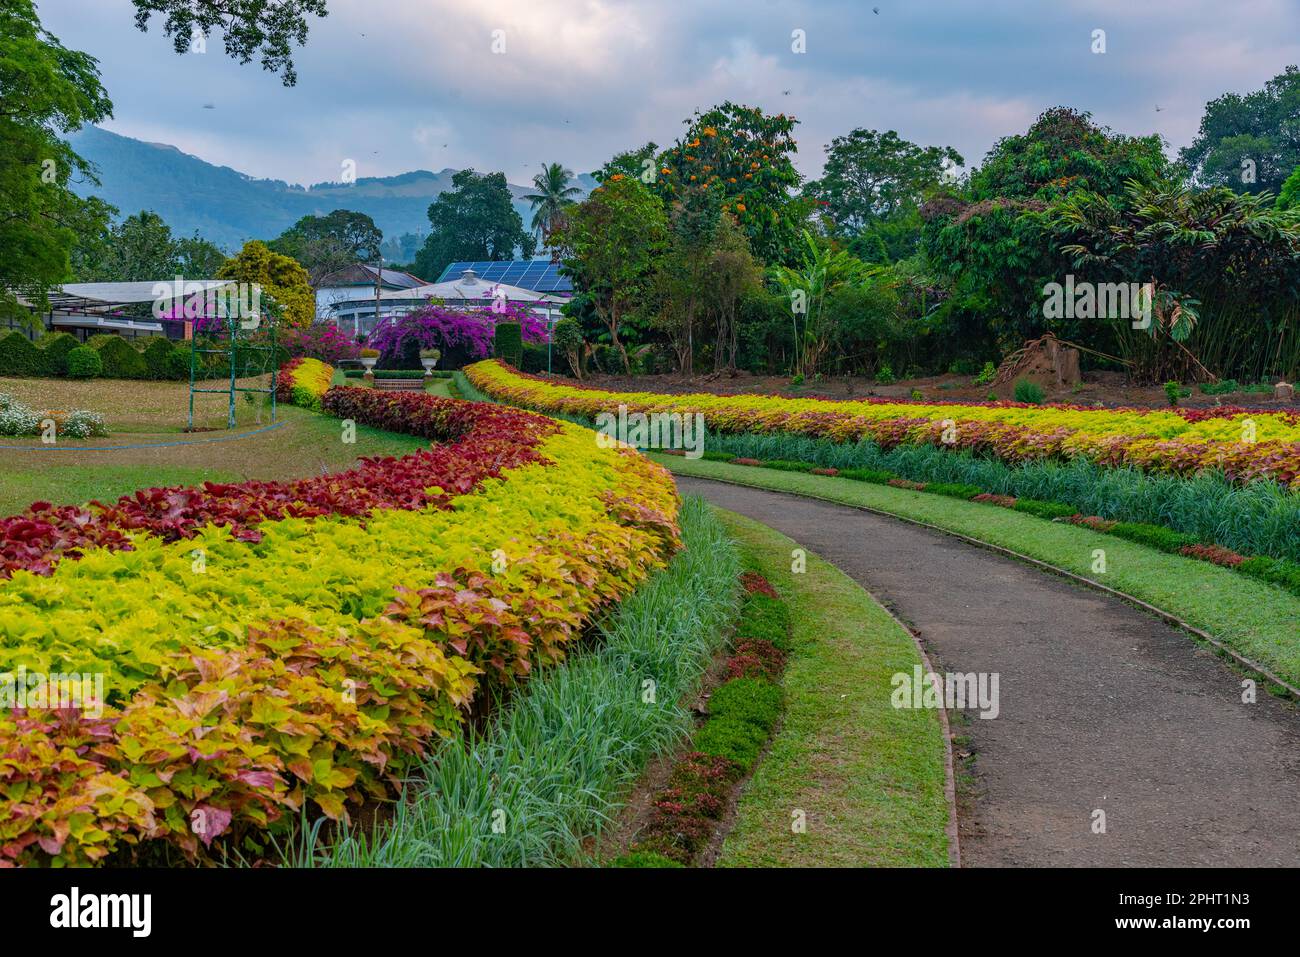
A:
(538, 275)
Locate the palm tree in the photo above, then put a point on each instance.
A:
(553, 194)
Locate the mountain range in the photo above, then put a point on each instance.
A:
(228, 207)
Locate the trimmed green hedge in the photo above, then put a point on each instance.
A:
(121, 361)
(84, 363)
(20, 357)
(151, 357)
(509, 343)
(56, 346)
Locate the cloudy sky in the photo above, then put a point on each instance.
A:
(397, 85)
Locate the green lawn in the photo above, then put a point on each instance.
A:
(868, 777)
(307, 444)
(1253, 618)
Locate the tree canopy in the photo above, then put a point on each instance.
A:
(46, 91)
(1250, 143)
(280, 277)
(872, 176)
(264, 28)
(323, 244)
(474, 220)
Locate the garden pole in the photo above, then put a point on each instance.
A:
(234, 335)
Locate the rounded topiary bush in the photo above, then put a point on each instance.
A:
(20, 357)
(157, 353)
(121, 360)
(508, 343)
(56, 346)
(84, 362)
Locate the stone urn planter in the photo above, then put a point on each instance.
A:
(368, 362)
(429, 358)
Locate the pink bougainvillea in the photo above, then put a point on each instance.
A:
(445, 328)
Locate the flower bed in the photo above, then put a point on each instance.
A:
(269, 646)
(17, 419)
(304, 382)
(1246, 444)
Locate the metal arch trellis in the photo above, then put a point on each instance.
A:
(246, 358)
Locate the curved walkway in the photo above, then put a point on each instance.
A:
(1102, 708)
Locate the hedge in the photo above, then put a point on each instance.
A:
(56, 346)
(20, 357)
(509, 343)
(84, 363)
(121, 361)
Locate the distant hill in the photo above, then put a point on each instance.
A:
(228, 207)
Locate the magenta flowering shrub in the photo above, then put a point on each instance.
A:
(470, 331)
(325, 342)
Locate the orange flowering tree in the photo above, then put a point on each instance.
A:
(740, 157)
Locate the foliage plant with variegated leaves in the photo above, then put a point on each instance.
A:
(339, 625)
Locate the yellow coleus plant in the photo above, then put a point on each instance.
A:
(1250, 444)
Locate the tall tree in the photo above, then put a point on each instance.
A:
(265, 28)
(635, 164)
(199, 258)
(745, 154)
(280, 277)
(993, 237)
(323, 244)
(138, 249)
(46, 91)
(474, 220)
(1250, 143)
(554, 195)
(612, 244)
(872, 176)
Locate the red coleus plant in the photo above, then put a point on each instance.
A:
(481, 440)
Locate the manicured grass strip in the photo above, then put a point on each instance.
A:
(309, 444)
(1253, 618)
(552, 770)
(869, 778)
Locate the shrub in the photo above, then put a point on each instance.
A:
(1028, 392)
(1171, 392)
(1278, 571)
(885, 374)
(84, 363)
(178, 363)
(954, 489)
(56, 346)
(765, 619)
(157, 353)
(1154, 536)
(785, 465)
(20, 357)
(732, 738)
(754, 700)
(718, 456)
(987, 374)
(120, 360)
(508, 343)
(1048, 510)
(82, 424)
